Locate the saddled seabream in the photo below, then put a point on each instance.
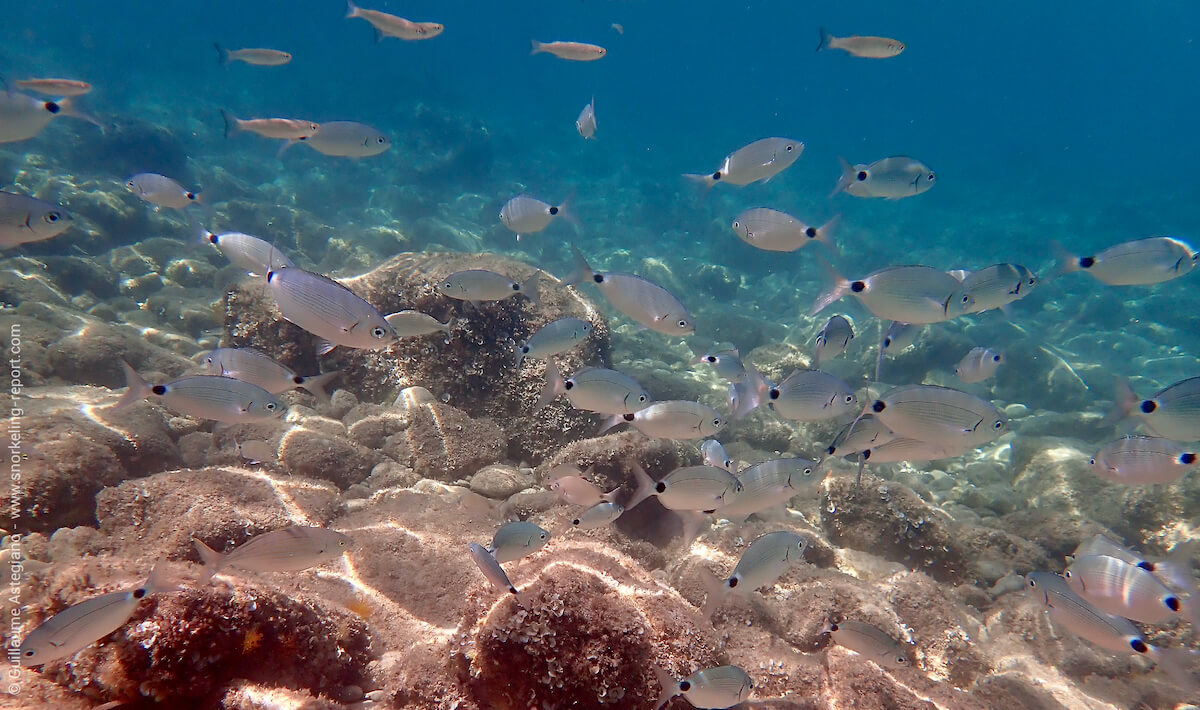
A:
(890, 178)
(726, 363)
(812, 395)
(586, 123)
(25, 219)
(858, 438)
(599, 515)
(80, 625)
(1173, 412)
(527, 215)
(279, 128)
(1175, 569)
(253, 255)
(704, 488)
(833, 339)
(748, 393)
(901, 448)
(23, 116)
(978, 364)
(870, 642)
(712, 688)
(991, 287)
(1143, 460)
(761, 160)
(492, 570)
(1118, 587)
(162, 191)
(328, 310)
(555, 337)
(940, 415)
(864, 46)
(1135, 263)
(411, 324)
(476, 285)
(572, 51)
(387, 25)
(673, 419)
(289, 549)
(769, 484)
(258, 451)
(763, 562)
(895, 339)
(250, 365)
(909, 294)
(222, 399)
(714, 455)
(345, 139)
(568, 482)
(595, 389)
(771, 230)
(517, 539)
(642, 300)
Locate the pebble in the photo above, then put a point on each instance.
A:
(498, 481)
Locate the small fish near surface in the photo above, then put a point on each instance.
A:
(764, 561)
(771, 230)
(288, 549)
(673, 419)
(641, 299)
(255, 57)
(891, 178)
(554, 338)
(833, 339)
(287, 129)
(597, 516)
(812, 395)
(572, 51)
(712, 688)
(909, 294)
(759, 161)
(594, 389)
(55, 87)
(991, 287)
(940, 415)
(23, 116)
(491, 569)
(978, 365)
(1117, 587)
(344, 139)
(329, 310)
(704, 488)
(1143, 460)
(477, 285)
(258, 368)
(727, 363)
(253, 255)
(586, 123)
(870, 642)
(25, 219)
(222, 399)
(1173, 412)
(412, 324)
(392, 26)
(1140, 262)
(770, 484)
(516, 540)
(528, 215)
(162, 191)
(714, 455)
(866, 47)
(577, 490)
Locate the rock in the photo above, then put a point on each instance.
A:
(307, 453)
(442, 441)
(499, 481)
(93, 355)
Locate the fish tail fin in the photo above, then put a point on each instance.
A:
(1123, 402)
(582, 272)
(645, 485)
(612, 495)
(555, 385)
(706, 180)
(1067, 262)
(529, 287)
(317, 384)
(840, 287)
(1176, 569)
(566, 212)
(231, 123)
(222, 55)
(198, 233)
(286, 144)
(610, 423)
(159, 580)
(1176, 662)
(535, 47)
(825, 38)
(211, 558)
(716, 591)
(846, 179)
(670, 686)
(136, 388)
(693, 521)
(825, 233)
(351, 9)
(72, 106)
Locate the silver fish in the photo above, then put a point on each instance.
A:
(410, 324)
(573, 51)
(249, 365)
(162, 190)
(392, 26)
(553, 338)
(871, 642)
(26, 219)
(640, 299)
(258, 451)
(55, 87)
(482, 285)
(897, 338)
(991, 287)
(599, 515)
(687, 488)
(1135, 263)
(940, 415)
(866, 47)
(328, 310)
(222, 399)
(890, 178)
(714, 455)
(279, 128)
(978, 365)
(771, 230)
(23, 116)
(586, 123)
(527, 215)
(727, 363)
(812, 395)
(673, 419)
(718, 687)
(900, 448)
(1143, 460)
(770, 483)
(491, 569)
(833, 339)
(516, 540)
(576, 489)
(595, 389)
(763, 562)
(1117, 587)
(288, 549)
(1173, 412)
(761, 160)
(749, 393)
(345, 139)
(256, 57)
(80, 625)
(863, 433)
(1175, 569)
(909, 294)
(253, 255)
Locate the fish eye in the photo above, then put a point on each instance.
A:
(30, 653)
(929, 177)
(901, 660)
(1066, 574)
(849, 399)
(641, 398)
(807, 472)
(999, 424)
(1092, 462)
(341, 543)
(270, 406)
(129, 184)
(52, 217)
(542, 536)
(736, 224)
(682, 323)
(384, 140)
(790, 148)
(862, 175)
(377, 332)
(995, 358)
(717, 422)
(1032, 584)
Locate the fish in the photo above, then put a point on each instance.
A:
(833, 339)
(991, 287)
(718, 687)
(516, 540)
(871, 643)
(329, 310)
(492, 570)
(392, 26)
(287, 129)
(727, 363)
(344, 139)
(749, 393)
(642, 300)
(249, 253)
(770, 483)
(764, 561)
(940, 415)
(55, 87)
(1116, 587)
(673, 419)
(897, 338)
(573, 51)
(1172, 412)
(80, 625)
(477, 285)
(812, 395)
(901, 448)
(1139, 262)
(759, 161)
(162, 191)
(771, 230)
(410, 324)
(1175, 569)
(598, 516)
(1143, 460)
(714, 455)
(527, 215)
(576, 489)
(891, 178)
(594, 389)
(222, 399)
(25, 219)
(858, 438)
(978, 365)
(909, 294)
(866, 47)
(289, 549)
(23, 116)
(554, 338)
(703, 488)
(256, 57)
(258, 451)
(250, 365)
(586, 123)
(620, 29)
